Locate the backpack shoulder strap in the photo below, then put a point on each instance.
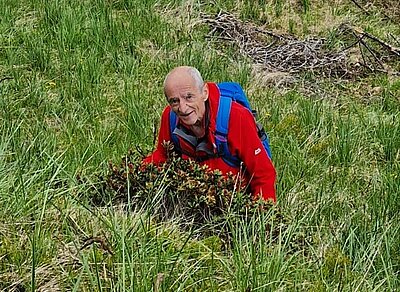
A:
(264, 139)
(234, 91)
(221, 134)
(223, 114)
(173, 122)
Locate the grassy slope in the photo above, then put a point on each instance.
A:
(86, 79)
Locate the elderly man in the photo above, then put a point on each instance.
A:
(195, 105)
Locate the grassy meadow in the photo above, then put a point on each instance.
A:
(81, 84)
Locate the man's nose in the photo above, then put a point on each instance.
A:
(182, 106)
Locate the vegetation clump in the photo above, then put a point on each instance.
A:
(178, 188)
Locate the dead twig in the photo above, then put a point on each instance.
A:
(359, 6)
(372, 52)
(394, 38)
(365, 63)
(5, 78)
(155, 127)
(391, 48)
(158, 281)
(359, 33)
(103, 245)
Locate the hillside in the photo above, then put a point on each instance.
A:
(81, 85)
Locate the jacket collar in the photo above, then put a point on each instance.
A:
(213, 102)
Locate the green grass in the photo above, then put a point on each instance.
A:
(84, 84)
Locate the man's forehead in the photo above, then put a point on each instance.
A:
(180, 87)
(180, 81)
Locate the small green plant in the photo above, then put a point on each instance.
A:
(336, 266)
(306, 6)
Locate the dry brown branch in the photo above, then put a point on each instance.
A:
(5, 78)
(372, 52)
(361, 34)
(395, 39)
(359, 6)
(391, 48)
(379, 51)
(158, 281)
(103, 245)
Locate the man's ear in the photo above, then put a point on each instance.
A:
(205, 91)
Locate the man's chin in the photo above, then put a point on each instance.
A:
(188, 123)
(188, 120)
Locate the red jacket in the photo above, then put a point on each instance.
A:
(243, 141)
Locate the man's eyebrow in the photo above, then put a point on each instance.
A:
(189, 94)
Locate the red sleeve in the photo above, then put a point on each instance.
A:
(160, 155)
(243, 140)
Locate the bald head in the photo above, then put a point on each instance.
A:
(184, 74)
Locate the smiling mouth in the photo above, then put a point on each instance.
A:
(185, 115)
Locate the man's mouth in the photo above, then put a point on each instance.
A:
(185, 115)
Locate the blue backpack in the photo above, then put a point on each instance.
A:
(230, 91)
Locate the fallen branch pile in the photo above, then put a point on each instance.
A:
(283, 53)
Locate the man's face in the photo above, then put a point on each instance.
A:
(186, 99)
